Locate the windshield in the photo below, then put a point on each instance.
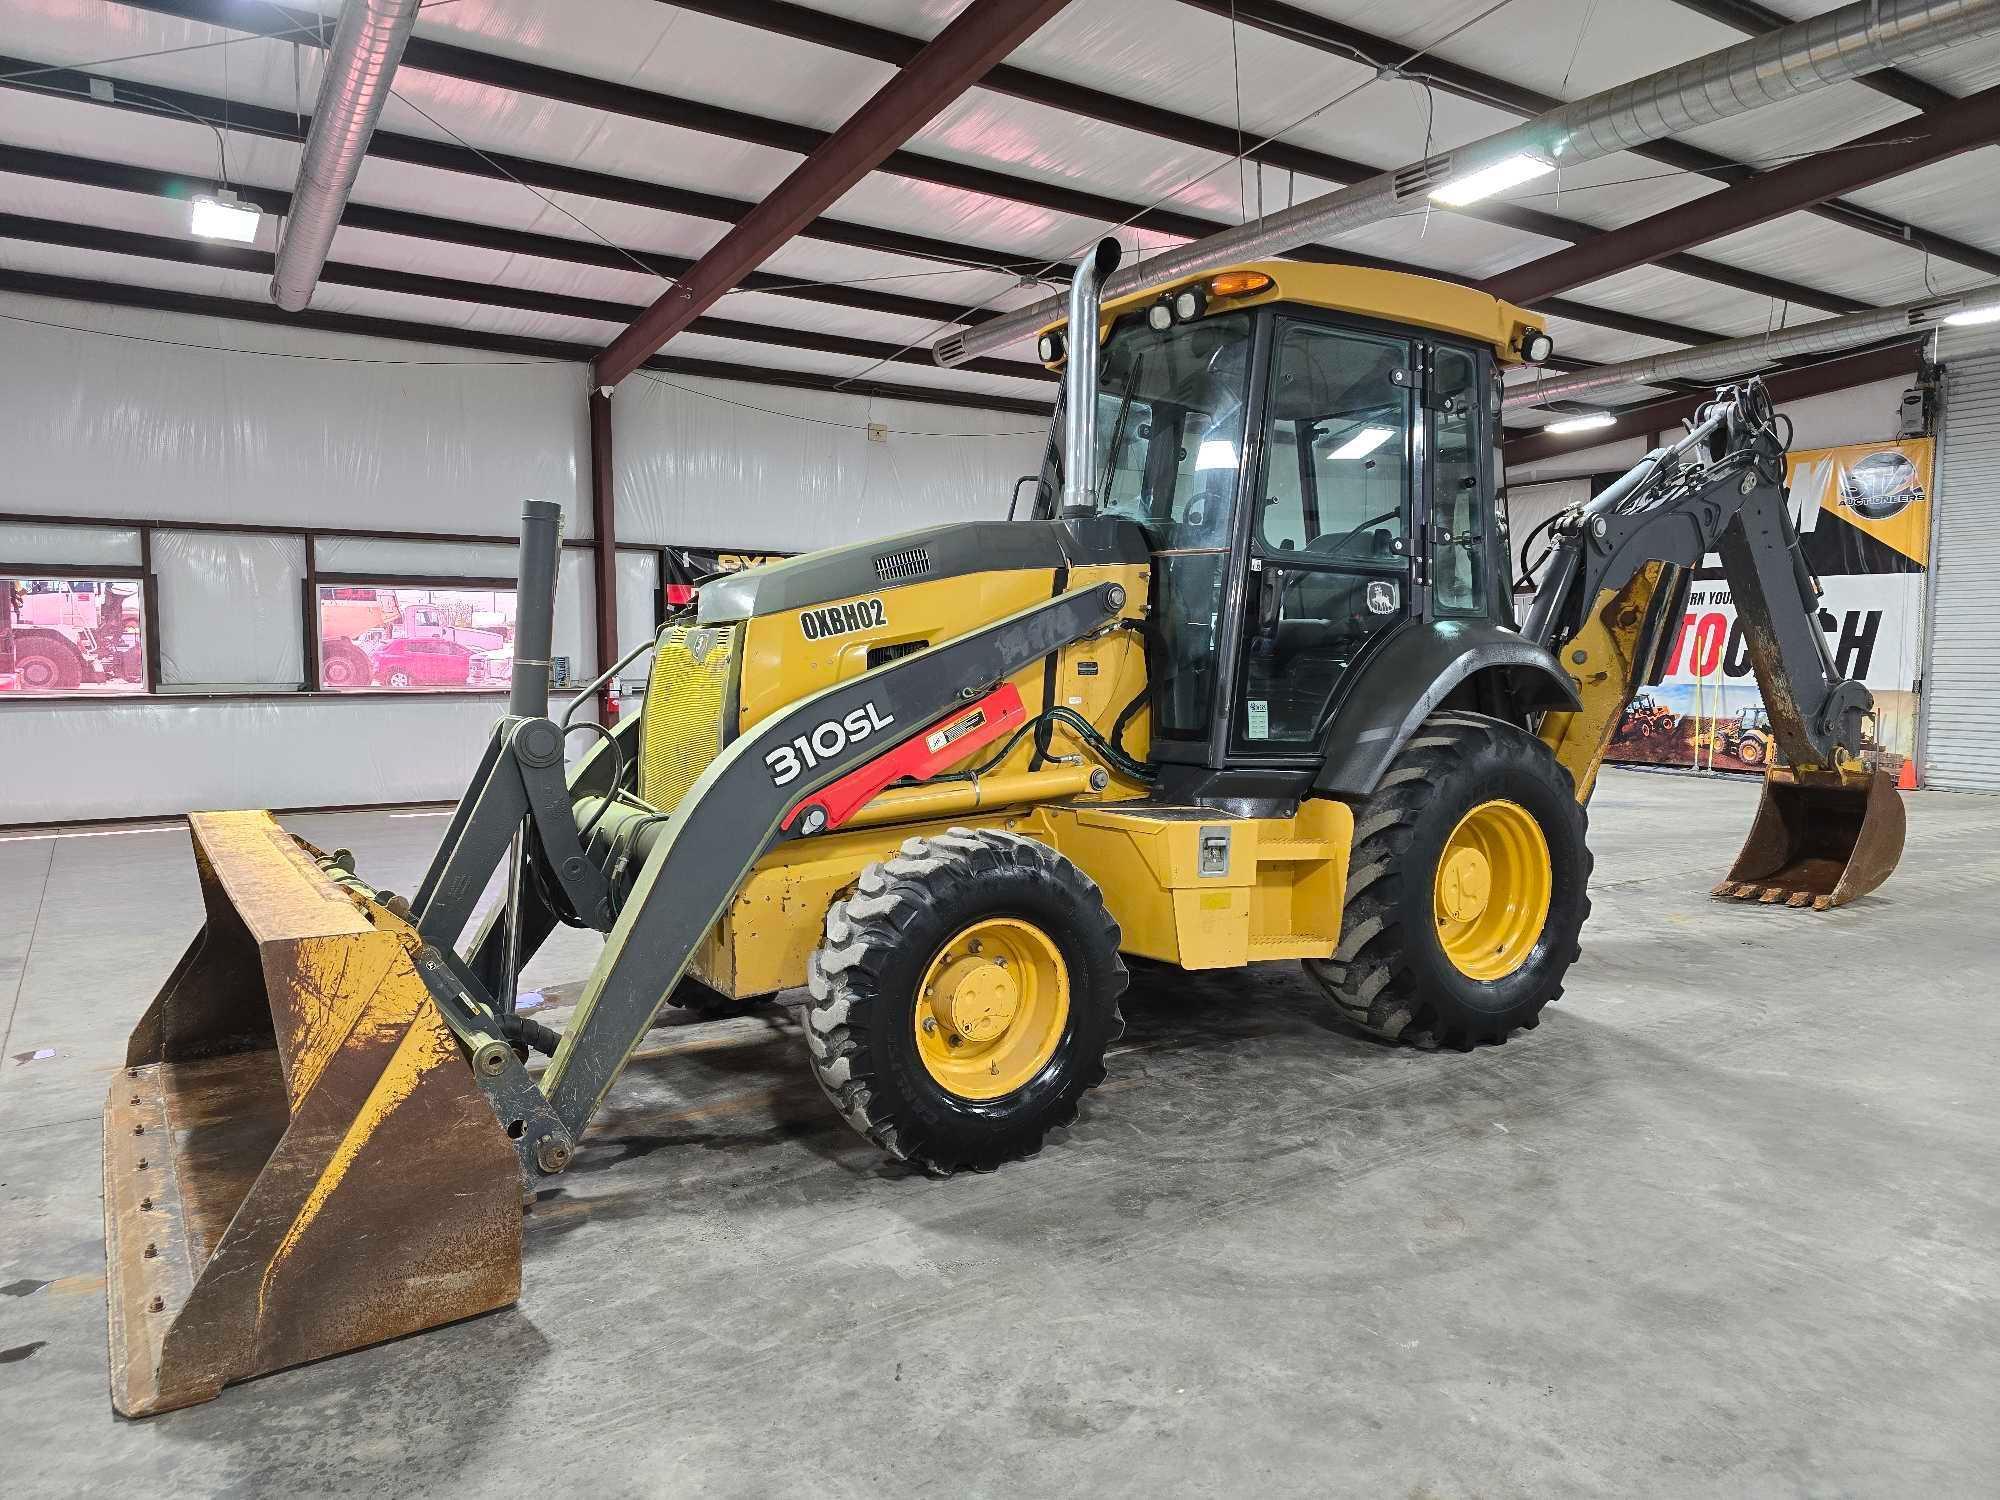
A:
(1170, 428)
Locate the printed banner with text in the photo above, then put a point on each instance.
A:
(1864, 517)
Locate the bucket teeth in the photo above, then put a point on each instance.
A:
(298, 1160)
(1819, 840)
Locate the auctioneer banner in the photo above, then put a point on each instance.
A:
(1864, 515)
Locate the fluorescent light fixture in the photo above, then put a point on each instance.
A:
(1585, 423)
(223, 218)
(1484, 183)
(1215, 453)
(1363, 443)
(1974, 315)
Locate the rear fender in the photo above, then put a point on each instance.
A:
(1416, 668)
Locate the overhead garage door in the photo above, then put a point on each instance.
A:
(1962, 688)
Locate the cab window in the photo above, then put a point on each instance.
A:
(1339, 442)
(1458, 513)
(1332, 562)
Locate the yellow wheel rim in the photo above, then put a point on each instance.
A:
(992, 1008)
(1492, 890)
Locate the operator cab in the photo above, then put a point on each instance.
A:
(1312, 469)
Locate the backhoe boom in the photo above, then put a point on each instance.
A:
(1614, 595)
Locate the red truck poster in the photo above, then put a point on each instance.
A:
(1864, 517)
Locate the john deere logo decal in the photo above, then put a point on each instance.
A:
(843, 619)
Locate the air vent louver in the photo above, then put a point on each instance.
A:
(894, 566)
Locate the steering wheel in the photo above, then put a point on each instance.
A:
(1317, 544)
(1316, 549)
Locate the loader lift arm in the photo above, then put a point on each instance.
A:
(1613, 597)
(727, 821)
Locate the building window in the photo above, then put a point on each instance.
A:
(414, 637)
(64, 635)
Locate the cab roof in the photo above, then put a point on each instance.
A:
(1390, 296)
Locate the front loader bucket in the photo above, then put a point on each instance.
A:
(297, 1159)
(1818, 843)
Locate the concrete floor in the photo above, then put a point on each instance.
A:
(1727, 1224)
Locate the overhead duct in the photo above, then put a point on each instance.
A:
(1842, 44)
(1740, 356)
(368, 42)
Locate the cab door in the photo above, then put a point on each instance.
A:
(1332, 535)
(1463, 551)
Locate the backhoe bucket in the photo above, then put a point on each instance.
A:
(1818, 843)
(297, 1159)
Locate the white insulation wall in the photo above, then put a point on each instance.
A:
(710, 463)
(159, 416)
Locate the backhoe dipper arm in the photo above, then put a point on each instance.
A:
(1616, 587)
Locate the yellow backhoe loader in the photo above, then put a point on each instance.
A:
(1242, 688)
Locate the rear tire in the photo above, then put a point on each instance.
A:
(898, 952)
(1395, 974)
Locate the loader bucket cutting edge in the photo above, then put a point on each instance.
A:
(1818, 843)
(297, 1158)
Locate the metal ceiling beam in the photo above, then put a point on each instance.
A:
(1336, 39)
(1755, 74)
(1791, 384)
(56, 166)
(1953, 128)
(183, 105)
(477, 293)
(861, 40)
(515, 76)
(507, 73)
(1913, 320)
(981, 34)
(158, 299)
(1755, 20)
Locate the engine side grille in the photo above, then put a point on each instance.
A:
(892, 566)
(680, 730)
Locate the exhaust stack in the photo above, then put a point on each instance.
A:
(1080, 378)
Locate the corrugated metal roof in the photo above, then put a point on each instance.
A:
(1166, 54)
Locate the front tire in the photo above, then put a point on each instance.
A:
(47, 664)
(1466, 889)
(963, 999)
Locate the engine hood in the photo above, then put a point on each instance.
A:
(923, 556)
